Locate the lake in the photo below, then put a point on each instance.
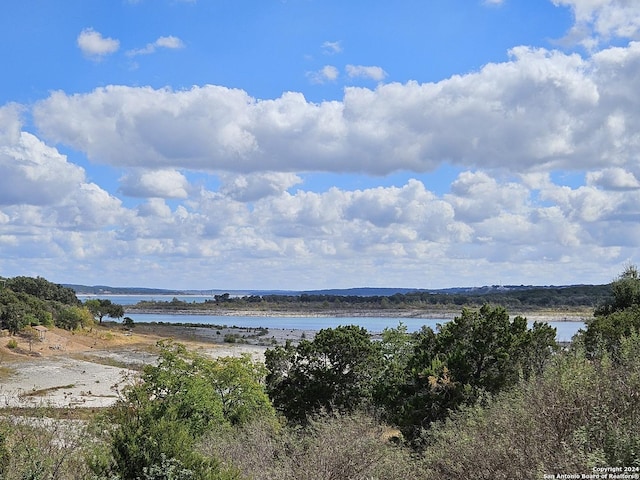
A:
(565, 330)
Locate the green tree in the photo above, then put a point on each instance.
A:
(615, 319)
(480, 352)
(41, 288)
(579, 414)
(397, 347)
(12, 311)
(104, 307)
(338, 370)
(625, 292)
(128, 323)
(175, 402)
(72, 318)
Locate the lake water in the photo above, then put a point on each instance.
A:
(565, 330)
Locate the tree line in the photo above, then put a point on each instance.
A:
(578, 296)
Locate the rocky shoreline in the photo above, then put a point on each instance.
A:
(541, 316)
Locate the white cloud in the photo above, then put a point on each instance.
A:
(540, 110)
(155, 184)
(387, 235)
(328, 73)
(521, 119)
(373, 73)
(10, 123)
(249, 188)
(476, 196)
(94, 45)
(169, 42)
(331, 48)
(31, 173)
(600, 20)
(613, 179)
(49, 212)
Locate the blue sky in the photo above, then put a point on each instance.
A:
(301, 144)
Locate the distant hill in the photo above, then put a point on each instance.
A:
(346, 292)
(107, 290)
(360, 292)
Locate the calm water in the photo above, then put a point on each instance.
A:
(565, 330)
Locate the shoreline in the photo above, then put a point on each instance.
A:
(532, 315)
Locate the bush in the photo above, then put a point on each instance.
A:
(37, 447)
(12, 344)
(580, 414)
(354, 447)
(174, 403)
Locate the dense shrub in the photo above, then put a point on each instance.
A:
(580, 414)
(351, 447)
(37, 447)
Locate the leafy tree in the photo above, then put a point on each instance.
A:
(338, 371)
(175, 402)
(480, 352)
(104, 307)
(615, 319)
(238, 383)
(625, 292)
(43, 289)
(12, 311)
(31, 301)
(72, 318)
(397, 347)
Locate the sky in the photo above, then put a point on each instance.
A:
(309, 144)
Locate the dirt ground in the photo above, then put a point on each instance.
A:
(89, 368)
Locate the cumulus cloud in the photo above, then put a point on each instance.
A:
(373, 73)
(600, 20)
(505, 126)
(51, 216)
(10, 123)
(328, 73)
(613, 179)
(249, 188)
(155, 184)
(32, 173)
(94, 45)
(169, 42)
(540, 110)
(395, 234)
(476, 196)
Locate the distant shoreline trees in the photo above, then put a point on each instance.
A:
(560, 298)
